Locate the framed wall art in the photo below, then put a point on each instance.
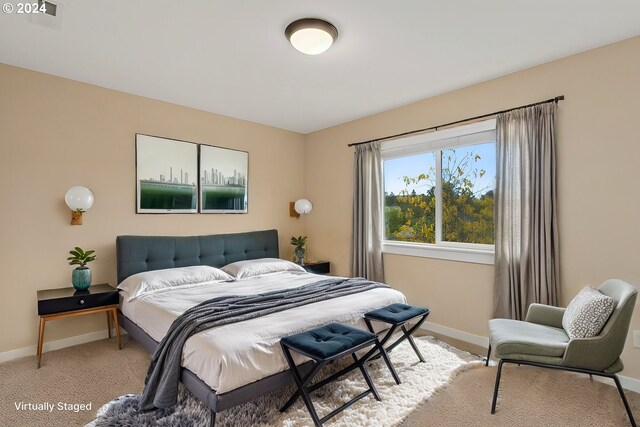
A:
(166, 175)
(223, 180)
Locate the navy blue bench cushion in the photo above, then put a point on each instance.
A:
(327, 341)
(396, 313)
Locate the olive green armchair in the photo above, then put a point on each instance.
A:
(540, 340)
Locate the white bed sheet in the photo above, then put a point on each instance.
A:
(230, 356)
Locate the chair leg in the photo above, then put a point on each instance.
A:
(614, 377)
(212, 419)
(488, 356)
(624, 400)
(495, 391)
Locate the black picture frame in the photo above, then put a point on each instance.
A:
(166, 175)
(223, 180)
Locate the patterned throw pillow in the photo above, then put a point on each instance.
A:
(587, 313)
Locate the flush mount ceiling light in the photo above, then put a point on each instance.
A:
(310, 35)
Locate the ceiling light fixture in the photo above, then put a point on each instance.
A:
(310, 35)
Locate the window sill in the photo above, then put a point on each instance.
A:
(451, 253)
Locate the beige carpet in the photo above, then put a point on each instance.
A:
(97, 372)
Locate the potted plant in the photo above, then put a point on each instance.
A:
(81, 275)
(300, 247)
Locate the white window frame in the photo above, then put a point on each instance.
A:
(461, 136)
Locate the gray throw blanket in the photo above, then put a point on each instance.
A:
(161, 383)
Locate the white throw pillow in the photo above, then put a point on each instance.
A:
(256, 267)
(157, 280)
(587, 313)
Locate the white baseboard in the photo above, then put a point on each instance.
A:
(628, 383)
(56, 345)
(457, 334)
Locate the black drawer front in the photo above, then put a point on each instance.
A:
(319, 268)
(76, 302)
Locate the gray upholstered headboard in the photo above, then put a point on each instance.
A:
(136, 254)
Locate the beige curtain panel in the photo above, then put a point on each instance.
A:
(366, 238)
(526, 248)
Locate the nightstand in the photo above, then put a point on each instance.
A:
(318, 267)
(67, 302)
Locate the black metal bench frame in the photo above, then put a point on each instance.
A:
(302, 381)
(406, 335)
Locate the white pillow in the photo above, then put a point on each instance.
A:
(587, 313)
(256, 267)
(156, 280)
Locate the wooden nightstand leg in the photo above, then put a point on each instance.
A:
(108, 323)
(40, 339)
(115, 321)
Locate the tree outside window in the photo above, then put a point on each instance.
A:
(467, 182)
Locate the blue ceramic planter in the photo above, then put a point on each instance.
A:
(81, 278)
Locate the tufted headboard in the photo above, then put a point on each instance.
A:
(136, 254)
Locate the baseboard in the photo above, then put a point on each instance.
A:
(55, 345)
(457, 334)
(628, 383)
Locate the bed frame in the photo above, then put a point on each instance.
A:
(136, 254)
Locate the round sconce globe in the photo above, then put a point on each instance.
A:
(79, 198)
(303, 206)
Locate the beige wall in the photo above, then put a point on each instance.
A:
(598, 175)
(57, 133)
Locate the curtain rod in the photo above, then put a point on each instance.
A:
(555, 99)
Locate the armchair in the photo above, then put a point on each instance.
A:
(540, 340)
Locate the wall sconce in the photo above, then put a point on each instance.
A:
(301, 206)
(79, 200)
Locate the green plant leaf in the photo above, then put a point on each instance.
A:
(299, 242)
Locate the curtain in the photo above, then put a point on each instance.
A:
(366, 238)
(526, 247)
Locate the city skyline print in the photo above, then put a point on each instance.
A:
(223, 180)
(166, 175)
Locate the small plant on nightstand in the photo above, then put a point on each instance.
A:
(300, 244)
(81, 275)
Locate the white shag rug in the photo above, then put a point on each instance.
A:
(419, 382)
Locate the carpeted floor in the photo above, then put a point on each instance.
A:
(419, 382)
(96, 373)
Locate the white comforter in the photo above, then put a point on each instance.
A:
(230, 356)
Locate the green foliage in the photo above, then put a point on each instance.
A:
(299, 242)
(467, 211)
(81, 257)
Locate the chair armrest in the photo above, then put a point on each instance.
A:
(547, 315)
(597, 353)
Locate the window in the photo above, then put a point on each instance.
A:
(438, 193)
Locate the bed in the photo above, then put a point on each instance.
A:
(236, 363)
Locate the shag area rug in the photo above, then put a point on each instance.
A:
(419, 382)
